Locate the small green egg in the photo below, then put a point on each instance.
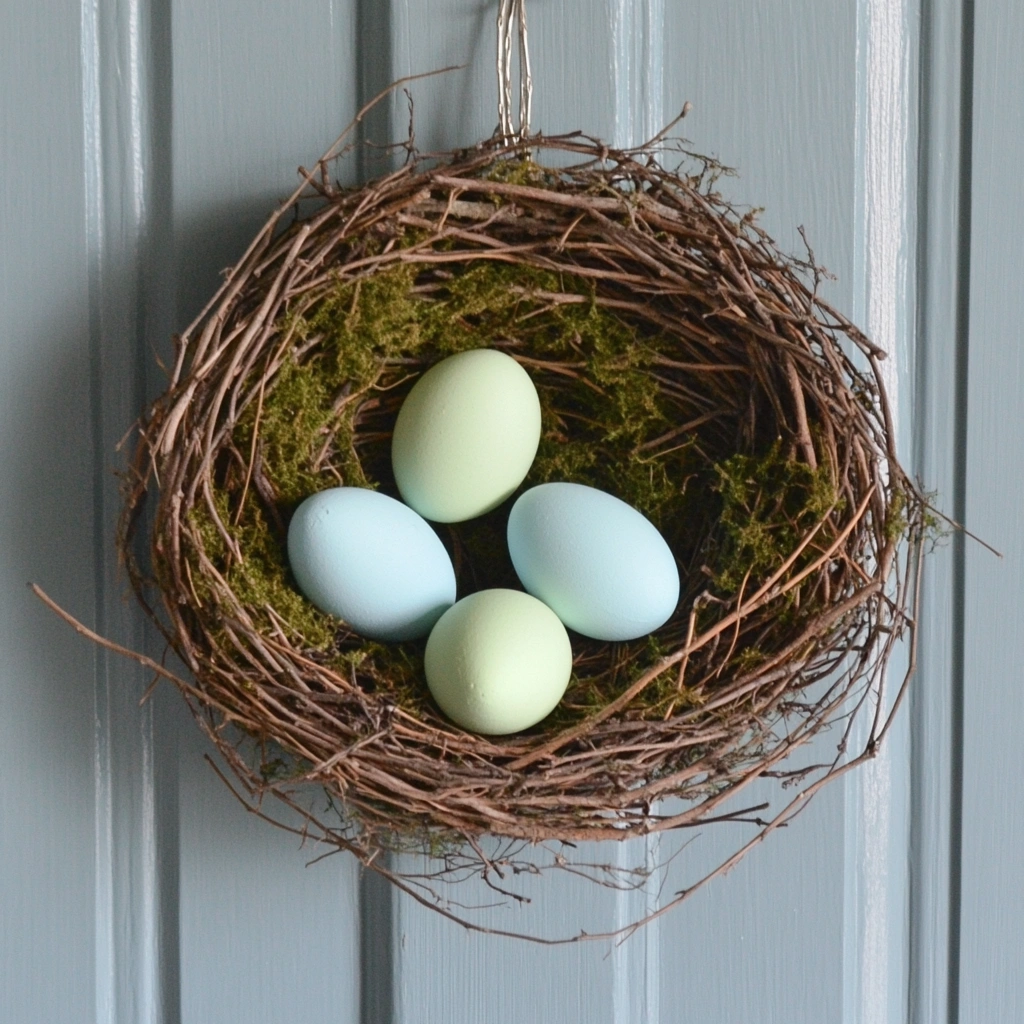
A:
(498, 661)
(466, 435)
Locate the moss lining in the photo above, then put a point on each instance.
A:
(768, 503)
(326, 422)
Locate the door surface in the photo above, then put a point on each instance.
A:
(142, 142)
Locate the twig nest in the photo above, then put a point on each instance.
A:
(683, 365)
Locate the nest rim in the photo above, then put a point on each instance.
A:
(629, 204)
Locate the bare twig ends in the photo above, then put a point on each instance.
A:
(752, 355)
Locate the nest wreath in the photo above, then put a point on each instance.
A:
(683, 362)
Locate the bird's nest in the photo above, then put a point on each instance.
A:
(683, 364)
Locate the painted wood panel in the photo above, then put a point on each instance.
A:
(781, 109)
(938, 423)
(441, 973)
(263, 937)
(992, 865)
(786, 108)
(141, 144)
(47, 810)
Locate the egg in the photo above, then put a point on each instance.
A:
(370, 560)
(466, 435)
(601, 566)
(498, 661)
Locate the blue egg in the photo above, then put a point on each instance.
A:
(371, 561)
(595, 561)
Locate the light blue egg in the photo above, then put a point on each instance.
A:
(601, 567)
(371, 561)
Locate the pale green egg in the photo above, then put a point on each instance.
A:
(498, 661)
(466, 435)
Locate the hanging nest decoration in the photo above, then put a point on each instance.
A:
(683, 363)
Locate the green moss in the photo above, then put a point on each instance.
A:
(768, 503)
(896, 521)
(521, 171)
(261, 577)
(601, 410)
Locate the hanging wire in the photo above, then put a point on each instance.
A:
(511, 11)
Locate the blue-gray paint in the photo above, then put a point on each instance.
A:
(264, 938)
(126, 53)
(141, 143)
(47, 878)
(875, 907)
(939, 428)
(992, 838)
(788, 122)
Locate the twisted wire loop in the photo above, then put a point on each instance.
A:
(511, 11)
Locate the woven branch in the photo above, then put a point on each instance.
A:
(755, 353)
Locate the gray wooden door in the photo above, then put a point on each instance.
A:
(141, 143)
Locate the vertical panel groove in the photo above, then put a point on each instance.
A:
(636, 986)
(965, 161)
(924, 879)
(875, 969)
(93, 181)
(940, 461)
(375, 71)
(105, 997)
(638, 34)
(376, 949)
(126, 130)
(638, 55)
